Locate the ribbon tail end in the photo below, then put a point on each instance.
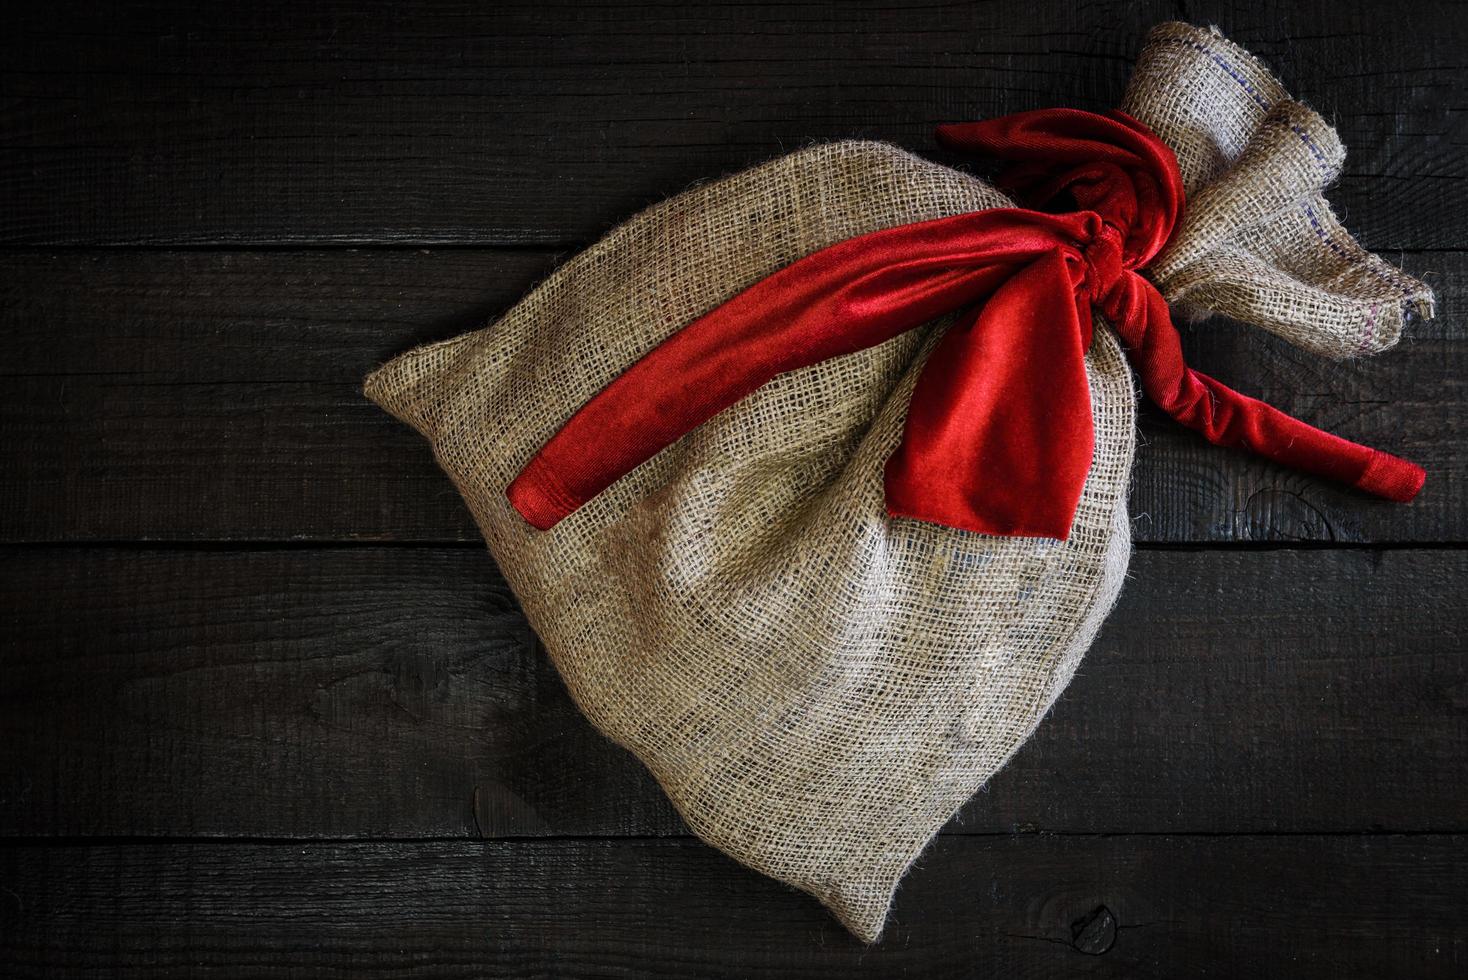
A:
(1391, 477)
(538, 497)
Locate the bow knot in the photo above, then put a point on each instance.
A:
(1106, 263)
(998, 437)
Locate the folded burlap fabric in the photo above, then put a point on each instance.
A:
(768, 472)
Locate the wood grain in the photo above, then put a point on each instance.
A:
(1026, 907)
(548, 122)
(392, 692)
(214, 396)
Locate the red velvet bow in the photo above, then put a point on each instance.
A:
(998, 436)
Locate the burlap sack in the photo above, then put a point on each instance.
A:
(817, 686)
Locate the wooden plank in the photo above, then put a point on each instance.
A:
(548, 122)
(1028, 906)
(396, 692)
(213, 396)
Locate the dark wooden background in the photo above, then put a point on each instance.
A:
(266, 707)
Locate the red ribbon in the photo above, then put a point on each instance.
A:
(998, 436)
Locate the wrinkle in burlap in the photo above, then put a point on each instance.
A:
(818, 687)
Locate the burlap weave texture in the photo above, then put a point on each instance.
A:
(818, 687)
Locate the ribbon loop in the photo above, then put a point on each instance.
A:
(998, 437)
(1068, 160)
